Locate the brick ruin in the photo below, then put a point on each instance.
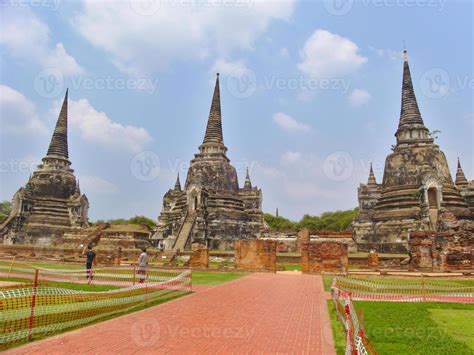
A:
(51, 203)
(199, 259)
(212, 208)
(448, 248)
(324, 256)
(255, 255)
(416, 185)
(373, 259)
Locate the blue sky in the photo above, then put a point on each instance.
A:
(310, 92)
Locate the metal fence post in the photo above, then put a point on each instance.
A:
(33, 302)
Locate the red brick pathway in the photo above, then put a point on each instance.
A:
(260, 313)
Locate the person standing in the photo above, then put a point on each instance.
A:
(142, 264)
(90, 259)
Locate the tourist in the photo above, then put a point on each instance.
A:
(90, 258)
(142, 263)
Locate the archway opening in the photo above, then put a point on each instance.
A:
(432, 197)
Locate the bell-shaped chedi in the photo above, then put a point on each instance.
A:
(416, 184)
(211, 209)
(51, 202)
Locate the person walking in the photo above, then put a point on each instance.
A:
(142, 264)
(90, 259)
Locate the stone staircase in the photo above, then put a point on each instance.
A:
(185, 231)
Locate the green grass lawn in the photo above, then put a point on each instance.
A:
(337, 329)
(215, 278)
(413, 328)
(291, 267)
(419, 328)
(67, 285)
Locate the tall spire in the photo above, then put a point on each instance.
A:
(248, 183)
(214, 123)
(58, 146)
(372, 180)
(177, 185)
(460, 177)
(411, 122)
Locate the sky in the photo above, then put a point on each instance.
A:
(310, 92)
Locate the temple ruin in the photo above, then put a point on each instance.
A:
(51, 202)
(212, 209)
(417, 185)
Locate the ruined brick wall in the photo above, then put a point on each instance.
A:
(325, 256)
(199, 258)
(303, 236)
(439, 251)
(373, 259)
(420, 248)
(255, 255)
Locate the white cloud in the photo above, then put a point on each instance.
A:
(327, 55)
(359, 97)
(59, 59)
(284, 53)
(224, 67)
(18, 114)
(26, 37)
(98, 128)
(288, 123)
(140, 43)
(387, 53)
(97, 184)
(290, 157)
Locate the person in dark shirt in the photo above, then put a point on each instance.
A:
(90, 259)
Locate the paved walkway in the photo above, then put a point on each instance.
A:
(260, 313)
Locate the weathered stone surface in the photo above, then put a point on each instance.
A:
(211, 209)
(255, 255)
(416, 185)
(51, 202)
(373, 259)
(324, 256)
(199, 258)
(448, 250)
(303, 236)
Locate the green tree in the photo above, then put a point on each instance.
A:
(134, 220)
(332, 221)
(279, 223)
(5, 209)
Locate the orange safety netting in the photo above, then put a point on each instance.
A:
(43, 307)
